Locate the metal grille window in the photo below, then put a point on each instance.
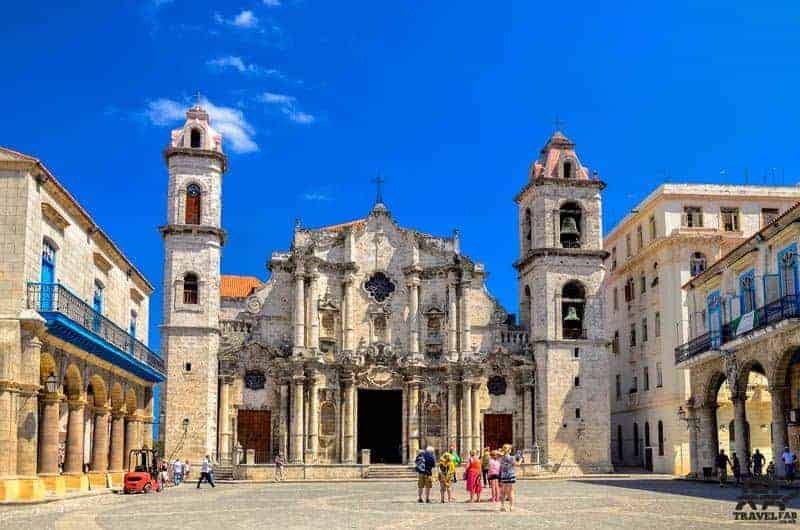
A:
(788, 274)
(747, 293)
(190, 289)
(692, 217)
(697, 264)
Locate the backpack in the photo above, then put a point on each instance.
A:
(419, 464)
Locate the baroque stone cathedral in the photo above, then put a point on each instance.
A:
(372, 336)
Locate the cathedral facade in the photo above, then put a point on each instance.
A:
(370, 340)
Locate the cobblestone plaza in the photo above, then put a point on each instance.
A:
(638, 502)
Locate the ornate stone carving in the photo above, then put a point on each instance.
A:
(379, 287)
(497, 385)
(254, 380)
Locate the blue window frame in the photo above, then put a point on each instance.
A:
(97, 305)
(47, 275)
(714, 304)
(787, 270)
(747, 292)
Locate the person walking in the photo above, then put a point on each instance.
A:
(508, 476)
(758, 463)
(446, 473)
(736, 468)
(456, 462)
(187, 469)
(279, 463)
(206, 471)
(771, 470)
(789, 461)
(494, 475)
(722, 467)
(473, 477)
(485, 466)
(424, 464)
(177, 471)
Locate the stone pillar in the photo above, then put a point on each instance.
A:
(413, 420)
(313, 310)
(73, 462)
(465, 316)
(779, 438)
(740, 427)
(299, 308)
(708, 445)
(349, 442)
(452, 317)
(694, 457)
(296, 452)
(100, 444)
(476, 417)
(48, 434)
(413, 316)
(313, 418)
(527, 416)
(27, 430)
(8, 429)
(284, 419)
(131, 429)
(347, 317)
(466, 419)
(117, 460)
(452, 413)
(223, 427)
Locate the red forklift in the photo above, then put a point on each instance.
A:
(143, 472)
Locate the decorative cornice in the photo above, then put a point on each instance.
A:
(554, 251)
(190, 151)
(573, 183)
(193, 229)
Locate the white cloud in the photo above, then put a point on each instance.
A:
(316, 196)
(246, 20)
(230, 122)
(272, 3)
(286, 104)
(239, 64)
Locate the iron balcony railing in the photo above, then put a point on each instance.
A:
(771, 313)
(55, 298)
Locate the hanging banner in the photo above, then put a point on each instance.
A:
(746, 323)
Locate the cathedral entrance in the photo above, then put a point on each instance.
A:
(380, 422)
(497, 430)
(253, 430)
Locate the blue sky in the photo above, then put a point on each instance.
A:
(451, 101)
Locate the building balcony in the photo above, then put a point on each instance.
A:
(72, 320)
(782, 309)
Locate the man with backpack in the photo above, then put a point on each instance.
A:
(423, 465)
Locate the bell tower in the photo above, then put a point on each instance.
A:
(193, 240)
(559, 272)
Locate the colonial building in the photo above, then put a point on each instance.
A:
(76, 376)
(370, 341)
(672, 235)
(742, 357)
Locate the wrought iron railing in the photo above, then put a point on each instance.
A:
(55, 298)
(771, 313)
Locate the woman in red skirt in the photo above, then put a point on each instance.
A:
(473, 477)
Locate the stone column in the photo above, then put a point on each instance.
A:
(413, 316)
(299, 308)
(465, 316)
(740, 427)
(708, 445)
(313, 310)
(284, 419)
(131, 429)
(223, 427)
(100, 444)
(8, 429)
(779, 438)
(313, 417)
(117, 460)
(466, 419)
(413, 419)
(452, 413)
(527, 415)
(476, 417)
(694, 457)
(349, 443)
(27, 430)
(452, 317)
(296, 453)
(48, 434)
(73, 462)
(347, 316)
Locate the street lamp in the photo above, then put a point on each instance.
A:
(51, 383)
(690, 421)
(185, 424)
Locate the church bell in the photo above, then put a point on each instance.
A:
(569, 227)
(572, 314)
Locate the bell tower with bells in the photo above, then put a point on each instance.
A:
(560, 272)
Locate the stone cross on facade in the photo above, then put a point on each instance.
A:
(379, 181)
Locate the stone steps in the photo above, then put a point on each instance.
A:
(389, 472)
(223, 473)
